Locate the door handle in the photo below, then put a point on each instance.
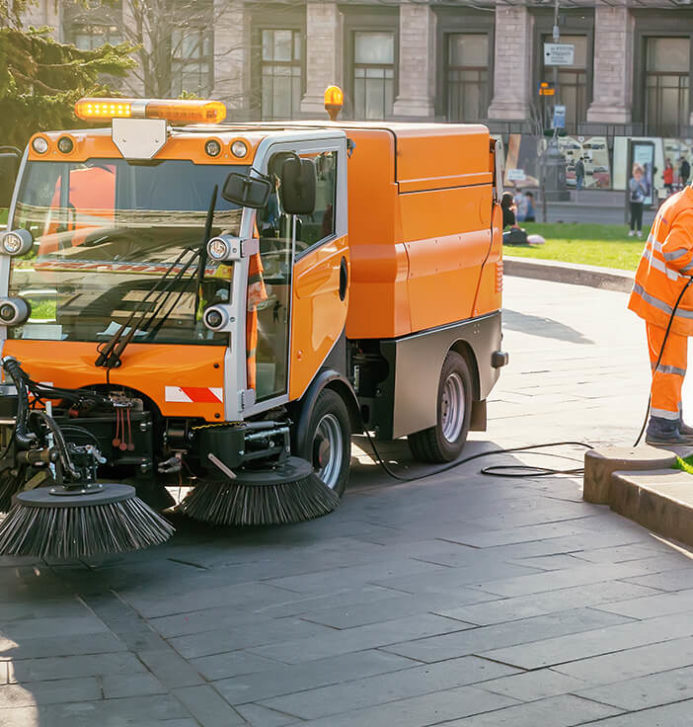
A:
(343, 278)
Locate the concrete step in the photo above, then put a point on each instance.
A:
(641, 485)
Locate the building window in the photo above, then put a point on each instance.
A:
(90, 36)
(374, 73)
(667, 74)
(572, 81)
(191, 61)
(282, 72)
(466, 76)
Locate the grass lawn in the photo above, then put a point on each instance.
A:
(604, 245)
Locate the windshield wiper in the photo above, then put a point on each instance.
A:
(110, 355)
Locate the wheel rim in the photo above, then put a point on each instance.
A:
(452, 407)
(328, 448)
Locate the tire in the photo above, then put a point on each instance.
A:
(327, 440)
(445, 441)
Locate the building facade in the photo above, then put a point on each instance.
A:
(445, 61)
(439, 60)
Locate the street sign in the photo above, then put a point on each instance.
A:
(516, 175)
(559, 117)
(559, 54)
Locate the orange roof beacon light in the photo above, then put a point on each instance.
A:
(182, 111)
(334, 100)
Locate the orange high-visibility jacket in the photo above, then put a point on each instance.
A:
(666, 266)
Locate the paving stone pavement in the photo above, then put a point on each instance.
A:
(460, 599)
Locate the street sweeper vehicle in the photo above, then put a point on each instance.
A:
(219, 307)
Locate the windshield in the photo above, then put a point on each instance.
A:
(105, 232)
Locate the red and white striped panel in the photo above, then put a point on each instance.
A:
(195, 394)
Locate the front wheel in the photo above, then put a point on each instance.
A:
(327, 440)
(445, 441)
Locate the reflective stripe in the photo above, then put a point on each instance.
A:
(660, 304)
(661, 266)
(664, 414)
(670, 370)
(686, 268)
(676, 254)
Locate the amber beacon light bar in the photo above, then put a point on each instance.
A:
(187, 111)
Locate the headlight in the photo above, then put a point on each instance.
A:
(215, 317)
(239, 148)
(224, 247)
(39, 145)
(14, 311)
(213, 148)
(16, 242)
(217, 248)
(65, 144)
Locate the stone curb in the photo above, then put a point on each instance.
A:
(558, 272)
(660, 500)
(641, 484)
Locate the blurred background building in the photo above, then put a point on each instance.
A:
(445, 61)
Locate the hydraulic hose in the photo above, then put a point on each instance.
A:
(22, 436)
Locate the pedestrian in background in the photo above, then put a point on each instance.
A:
(530, 213)
(637, 191)
(684, 171)
(579, 173)
(665, 269)
(668, 177)
(520, 206)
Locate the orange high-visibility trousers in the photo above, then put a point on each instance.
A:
(257, 293)
(667, 380)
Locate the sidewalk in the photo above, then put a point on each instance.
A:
(460, 599)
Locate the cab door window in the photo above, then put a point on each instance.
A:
(320, 225)
(269, 300)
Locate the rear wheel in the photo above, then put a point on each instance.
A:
(445, 441)
(327, 441)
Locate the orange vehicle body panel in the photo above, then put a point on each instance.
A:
(420, 232)
(147, 368)
(319, 316)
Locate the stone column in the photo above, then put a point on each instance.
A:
(613, 69)
(232, 57)
(417, 60)
(512, 72)
(323, 55)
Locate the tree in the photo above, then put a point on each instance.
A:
(40, 80)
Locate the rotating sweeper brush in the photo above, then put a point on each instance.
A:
(76, 516)
(286, 492)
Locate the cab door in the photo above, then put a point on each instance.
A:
(321, 269)
(298, 288)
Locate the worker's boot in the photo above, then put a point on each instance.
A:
(665, 432)
(684, 429)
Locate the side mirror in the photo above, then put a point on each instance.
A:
(297, 188)
(246, 191)
(9, 168)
